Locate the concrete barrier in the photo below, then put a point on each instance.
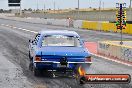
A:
(59, 22)
(109, 27)
(114, 50)
(105, 26)
(90, 25)
(77, 23)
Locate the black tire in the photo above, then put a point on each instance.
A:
(31, 66)
(82, 80)
(36, 72)
(29, 55)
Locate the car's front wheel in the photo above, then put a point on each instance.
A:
(29, 55)
(31, 66)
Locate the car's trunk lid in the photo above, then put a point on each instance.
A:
(56, 53)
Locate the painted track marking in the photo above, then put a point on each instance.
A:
(23, 29)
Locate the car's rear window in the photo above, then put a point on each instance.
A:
(60, 40)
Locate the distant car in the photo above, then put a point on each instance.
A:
(57, 51)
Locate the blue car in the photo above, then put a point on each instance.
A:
(59, 50)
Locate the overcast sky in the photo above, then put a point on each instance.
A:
(61, 4)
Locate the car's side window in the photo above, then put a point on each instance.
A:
(36, 39)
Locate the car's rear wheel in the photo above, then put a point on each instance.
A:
(80, 80)
(36, 72)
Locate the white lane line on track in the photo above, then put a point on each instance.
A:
(34, 32)
(120, 62)
(91, 53)
(14, 27)
(2, 24)
(20, 28)
(24, 29)
(10, 26)
(29, 31)
(7, 25)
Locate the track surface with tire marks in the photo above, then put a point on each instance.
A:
(15, 43)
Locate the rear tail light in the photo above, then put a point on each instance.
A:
(37, 58)
(88, 59)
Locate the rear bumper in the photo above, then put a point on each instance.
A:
(52, 65)
(59, 62)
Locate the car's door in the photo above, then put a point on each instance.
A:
(33, 45)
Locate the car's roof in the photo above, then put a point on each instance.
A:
(59, 32)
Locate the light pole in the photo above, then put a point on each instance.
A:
(20, 7)
(78, 7)
(54, 5)
(100, 5)
(130, 9)
(130, 4)
(103, 5)
(37, 4)
(100, 14)
(100, 8)
(78, 4)
(44, 6)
